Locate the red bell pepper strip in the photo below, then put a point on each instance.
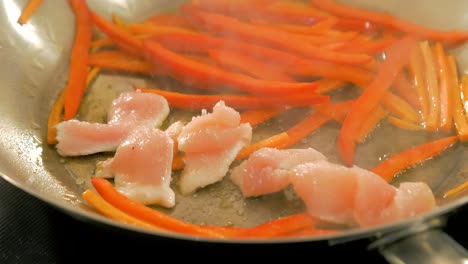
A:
(207, 77)
(236, 101)
(389, 21)
(415, 155)
(397, 57)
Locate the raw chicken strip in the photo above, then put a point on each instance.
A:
(77, 138)
(102, 167)
(128, 110)
(412, 198)
(327, 189)
(211, 142)
(134, 108)
(142, 166)
(268, 170)
(354, 196)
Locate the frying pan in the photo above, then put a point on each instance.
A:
(34, 70)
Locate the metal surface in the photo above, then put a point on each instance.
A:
(34, 70)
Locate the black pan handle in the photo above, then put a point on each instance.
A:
(422, 243)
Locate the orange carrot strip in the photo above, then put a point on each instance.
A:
(197, 101)
(111, 212)
(397, 58)
(458, 111)
(275, 141)
(28, 11)
(55, 115)
(284, 12)
(371, 46)
(103, 42)
(279, 226)
(275, 38)
(119, 21)
(79, 59)
(417, 74)
(400, 107)
(147, 214)
(118, 60)
(230, 231)
(207, 77)
(446, 102)
(464, 93)
(403, 88)
(412, 156)
(404, 124)
(152, 29)
(327, 85)
(389, 21)
(456, 190)
(320, 28)
(432, 86)
(305, 127)
(251, 66)
(371, 121)
(255, 117)
(313, 39)
(337, 111)
(124, 39)
(309, 232)
(359, 24)
(291, 64)
(173, 20)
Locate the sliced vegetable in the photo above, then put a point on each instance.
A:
(459, 117)
(28, 10)
(142, 212)
(208, 77)
(456, 190)
(302, 129)
(111, 212)
(404, 124)
(415, 155)
(397, 58)
(55, 114)
(78, 69)
(432, 86)
(118, 60)
(227, 26)
(389, 21)
(371, 122)
(248, 65)
(276, 141)
(278, 227)
(446, 101)
(203, 101)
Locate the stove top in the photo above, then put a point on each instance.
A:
(31, 231)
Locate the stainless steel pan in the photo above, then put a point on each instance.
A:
(34, 69)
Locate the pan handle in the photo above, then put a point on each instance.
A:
(422, 244)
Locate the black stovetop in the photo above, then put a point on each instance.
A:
(31, 231)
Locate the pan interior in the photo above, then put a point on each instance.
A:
(34, 71)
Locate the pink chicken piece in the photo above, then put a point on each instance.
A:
(327, 189)
(76, 138)
(142, 166)
(411, 199)
(211, 142)
(134, 108)
(354, 196)
(268, 170)
(128, 110)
